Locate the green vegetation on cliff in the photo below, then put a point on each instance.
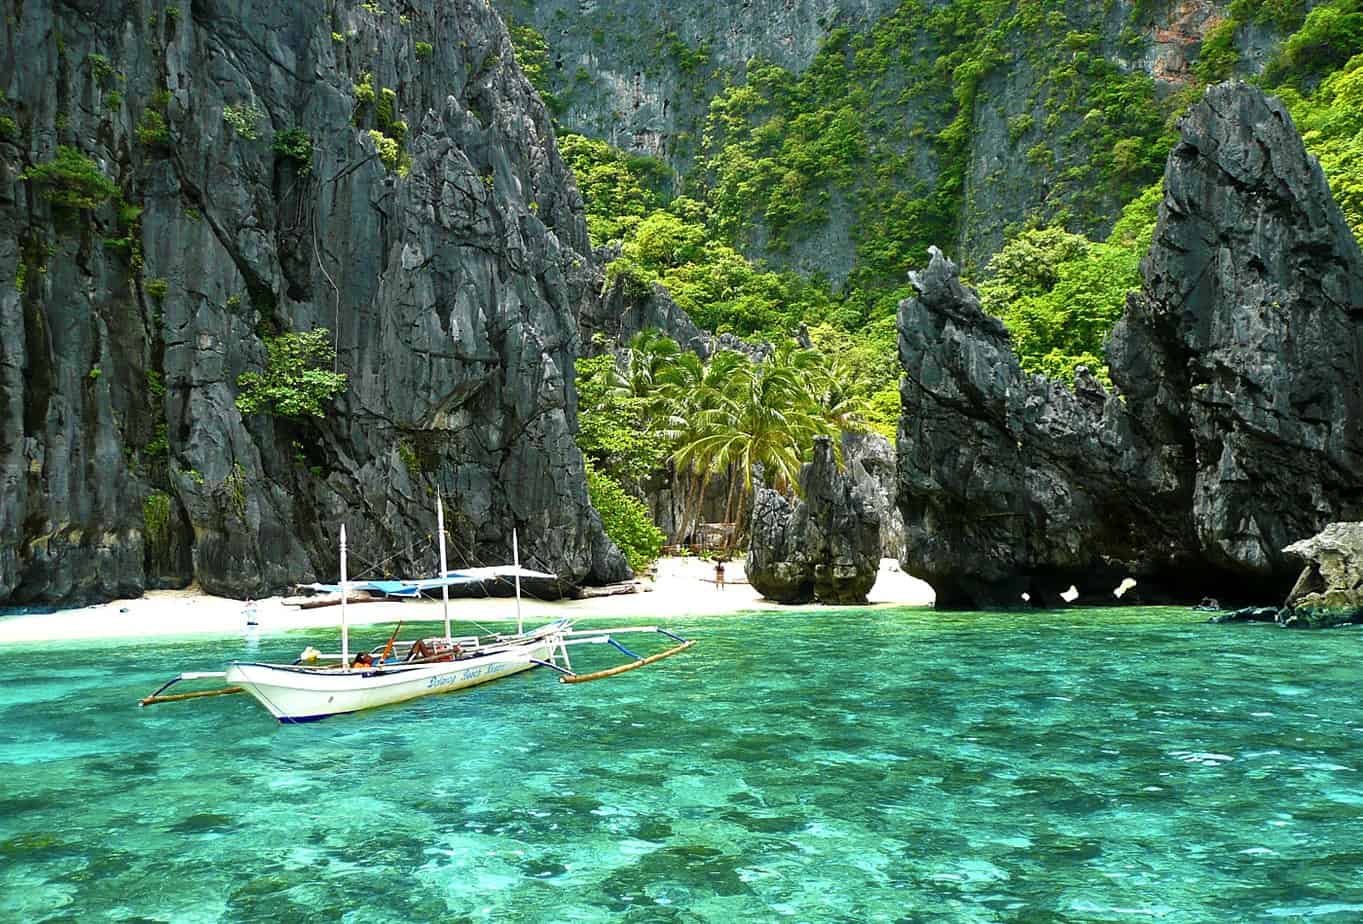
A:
(914, 126)
(625, 519)
(71, 180)
(296, 379)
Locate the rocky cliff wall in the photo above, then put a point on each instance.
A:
(1237, 427)
(451, 272)
(641, 75)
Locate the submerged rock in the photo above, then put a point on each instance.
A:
(1236, 424)
(825, 547)
(1247, 614)
(1329, 591)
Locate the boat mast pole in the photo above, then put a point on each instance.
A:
(516, 560)
(345, 627)
(444, 587)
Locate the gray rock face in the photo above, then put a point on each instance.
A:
(452, 289)
(869, 461)
(1238, 425)
(611, 321)
(641, 74)
(1245, 347)
(825, 547)
(1329, 591)
(1006, 480)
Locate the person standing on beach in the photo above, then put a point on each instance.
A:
(719, 574)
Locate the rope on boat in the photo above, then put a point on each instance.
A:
(620, 669)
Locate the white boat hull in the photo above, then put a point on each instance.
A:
(300, 694)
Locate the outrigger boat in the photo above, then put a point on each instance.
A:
(318, 686)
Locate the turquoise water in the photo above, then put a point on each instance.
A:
(865, 766)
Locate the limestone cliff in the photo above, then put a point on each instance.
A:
(1237, 426)
(388, 175)
(1026, 129)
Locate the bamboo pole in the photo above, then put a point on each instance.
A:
(516, 560)
(620, 669)
(444, 569)
(345, 627)
(176, 697)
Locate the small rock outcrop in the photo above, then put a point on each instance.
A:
(869, 460)
(825, 547)
(623, 311)
(1236, 425)
(1330, 589)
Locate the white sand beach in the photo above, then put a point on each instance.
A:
(683, 588)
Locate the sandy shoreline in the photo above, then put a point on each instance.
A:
(682, 590)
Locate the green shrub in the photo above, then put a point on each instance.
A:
(423, 50)
(297, 377)
(389, 151)
(100, 68)
(157, 288)
(151, 128)
(243, 118)
(625, 520)
(386, 108)
(8, 127)
(410, 460)
(1019, 125)
(1219, 56)
(294, 144)
(160, 443)
(364, 90)
(71, 180)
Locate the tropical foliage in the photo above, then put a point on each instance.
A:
(625, 519)
(297, 378)
(656, 408)
(1059, 295)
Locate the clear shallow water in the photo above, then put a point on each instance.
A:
(868, 766)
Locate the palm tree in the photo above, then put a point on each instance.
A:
(755, 414)
(646, 360)
(842, 410)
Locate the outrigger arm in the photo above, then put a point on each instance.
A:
(603, 637)
(187, 675)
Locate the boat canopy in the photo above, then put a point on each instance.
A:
(412, 588)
